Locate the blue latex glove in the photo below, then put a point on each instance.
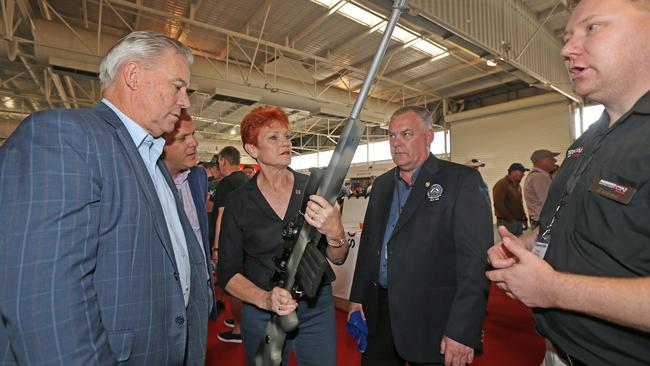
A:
(358, 329)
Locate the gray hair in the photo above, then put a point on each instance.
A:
(426, 119)
(142, 46)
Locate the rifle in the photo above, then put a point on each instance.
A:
(301, 266)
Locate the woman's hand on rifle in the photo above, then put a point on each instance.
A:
(280, 301)
(324, 217)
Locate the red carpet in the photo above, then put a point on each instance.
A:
(510, 339)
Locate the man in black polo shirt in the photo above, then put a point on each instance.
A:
(591, 293)
(233, 178)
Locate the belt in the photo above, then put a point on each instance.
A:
(568, 359)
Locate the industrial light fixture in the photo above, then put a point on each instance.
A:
(375, 22)
(491, 63)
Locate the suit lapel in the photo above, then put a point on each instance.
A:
(198, 182)
(195, 251)
(197, 188)
(383, 208)
(142, 176)
(193, 248)
(418, 192)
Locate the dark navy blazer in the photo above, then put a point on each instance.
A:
(436, 260)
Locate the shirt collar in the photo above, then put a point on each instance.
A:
(534, 168)
(182, 177)
(643, 104)
(413, 178)
(138, 134)
(640, 106)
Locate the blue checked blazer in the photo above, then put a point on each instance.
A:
(87, 269)
(198, 181)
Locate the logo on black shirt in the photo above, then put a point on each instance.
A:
(574, 153)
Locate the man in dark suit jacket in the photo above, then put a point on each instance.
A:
(419, 279)
(98, 263)
(179, 156)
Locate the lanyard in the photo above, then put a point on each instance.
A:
(573, 180)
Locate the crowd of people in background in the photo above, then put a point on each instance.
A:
(110, 227)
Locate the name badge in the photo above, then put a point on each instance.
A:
(540, 246)
(614, 191)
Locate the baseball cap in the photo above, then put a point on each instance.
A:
(474, 163)
(542, 154)
(517, 166)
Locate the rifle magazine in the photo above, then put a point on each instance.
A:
(311, 269)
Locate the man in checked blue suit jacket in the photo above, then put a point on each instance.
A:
(98, 262)
(419, 278)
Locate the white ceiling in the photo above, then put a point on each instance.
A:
(292, 53)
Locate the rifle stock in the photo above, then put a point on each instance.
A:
(327, 184)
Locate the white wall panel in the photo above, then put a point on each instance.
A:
(511, 136)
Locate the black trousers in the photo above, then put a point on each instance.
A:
(381, 349)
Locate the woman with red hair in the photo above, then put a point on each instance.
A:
(251, 237)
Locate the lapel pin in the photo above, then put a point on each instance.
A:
(434, 193)
(427, 184)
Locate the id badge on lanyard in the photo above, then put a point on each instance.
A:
(544, 237)
(541, 244)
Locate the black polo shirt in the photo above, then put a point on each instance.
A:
(597, 233)
(227, 185)
(251, 234)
